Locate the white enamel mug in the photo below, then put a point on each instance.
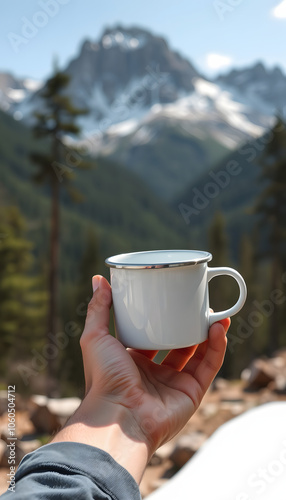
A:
(161, 299)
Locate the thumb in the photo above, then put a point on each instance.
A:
(97, 319)
(96, 325)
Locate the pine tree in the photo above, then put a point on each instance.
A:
(22, 301)
(271, 207)
(218, 247)
(218, 242)
(243, 337)
(82, 293)
(56, 169)
(223, 290)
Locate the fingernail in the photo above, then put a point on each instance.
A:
(95, 283)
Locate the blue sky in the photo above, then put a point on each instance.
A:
(213, 34)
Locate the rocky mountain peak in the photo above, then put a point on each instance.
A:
(258, 81)
(130, 58)
(131, 75)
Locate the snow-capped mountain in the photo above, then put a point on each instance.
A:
(120, 77)
(131, 61)
(130, 79)
(260, 88)
(15, 91)
(208, 111)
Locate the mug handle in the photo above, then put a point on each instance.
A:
(228, 271)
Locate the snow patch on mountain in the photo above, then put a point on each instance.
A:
(128, 104)
(133, 83)
(261, 88)
(32, 85)
(123, 128)
(124, 40)
(14, 92)
(209, 111)
(16, 95)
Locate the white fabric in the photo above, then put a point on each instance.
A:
(245, 459)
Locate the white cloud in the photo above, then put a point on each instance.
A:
(280, 10)
(218, 61)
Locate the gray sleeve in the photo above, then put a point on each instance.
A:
(71, 470)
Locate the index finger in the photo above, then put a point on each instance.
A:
(208, 358)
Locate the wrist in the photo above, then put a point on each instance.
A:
(112, 428)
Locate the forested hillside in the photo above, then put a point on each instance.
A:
(124, 213)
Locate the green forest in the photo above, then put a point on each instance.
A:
(62, 212)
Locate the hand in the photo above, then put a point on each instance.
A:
(149, 403)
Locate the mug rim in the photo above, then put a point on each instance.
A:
(203, 257)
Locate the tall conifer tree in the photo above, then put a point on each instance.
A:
(271, 208)
(53, 122)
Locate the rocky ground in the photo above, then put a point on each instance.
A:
(38, 417)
